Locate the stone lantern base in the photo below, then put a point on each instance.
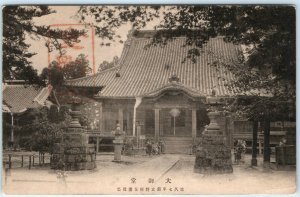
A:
(213, 156)
(74, 153)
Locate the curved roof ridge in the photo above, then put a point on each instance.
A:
(174, 85)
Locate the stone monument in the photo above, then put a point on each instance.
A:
(73, 152)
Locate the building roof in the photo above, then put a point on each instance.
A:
(18, 98)
(144, 70)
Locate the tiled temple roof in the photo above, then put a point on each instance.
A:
(18, 98)
(146, 70)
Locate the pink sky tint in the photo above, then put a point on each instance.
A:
(66, 15)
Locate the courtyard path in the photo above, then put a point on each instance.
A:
(107, 178)
(165, 174)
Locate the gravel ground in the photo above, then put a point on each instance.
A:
(166, 174)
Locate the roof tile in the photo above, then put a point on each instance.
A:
(21, 97)
(144, 70)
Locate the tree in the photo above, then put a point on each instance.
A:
(78, 68)
(265, 77)
(54, 74)
(57, 74)
(44, 126)
(106, 65)
(17, 24)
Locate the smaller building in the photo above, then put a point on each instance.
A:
(18, 97)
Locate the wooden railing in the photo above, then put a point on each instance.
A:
(15, 160)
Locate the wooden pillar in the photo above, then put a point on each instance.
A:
(121, 118)
(259, 147)
(97, 144)
(194, 123)
(228, 131)
(101, 119)
(29, 166)
(156, 113)
(254, 143)
(9, 161)
(12, 129)
(267, 151)
(128, 122)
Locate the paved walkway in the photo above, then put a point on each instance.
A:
(165, 174)
(107, 178)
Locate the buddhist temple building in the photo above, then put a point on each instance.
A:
(156, 92)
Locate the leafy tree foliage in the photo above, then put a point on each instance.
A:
(107, 19)
(54, 74)
(78, 68)
(39, 128)
(17, 24)
(106, 65)
(57, 74)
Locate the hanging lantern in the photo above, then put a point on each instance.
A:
(174, 113)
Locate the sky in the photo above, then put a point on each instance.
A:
(66, 15)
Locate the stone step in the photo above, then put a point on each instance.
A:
(179, 142)
(178, 145)
(177, 139)
(178, 149)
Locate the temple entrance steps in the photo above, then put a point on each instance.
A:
(178, 145)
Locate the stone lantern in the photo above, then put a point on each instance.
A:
(213, 154)
(74, 152)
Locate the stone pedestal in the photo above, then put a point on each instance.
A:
(118, 144)
(118, 149)
(74, 152)
(213, 155)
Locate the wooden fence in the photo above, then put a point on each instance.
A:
(15, 160)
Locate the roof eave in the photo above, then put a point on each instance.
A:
(114, 97)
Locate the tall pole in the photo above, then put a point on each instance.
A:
(254, 143)
(267, 140)
(174, 125)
